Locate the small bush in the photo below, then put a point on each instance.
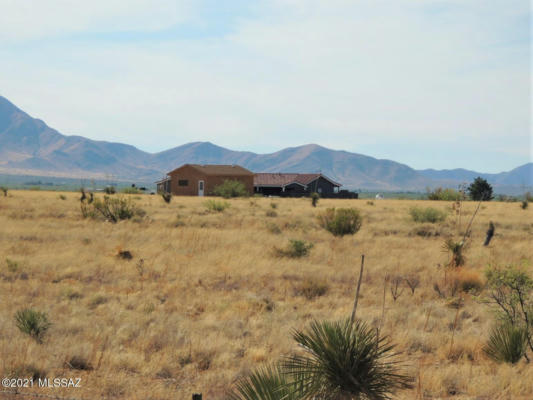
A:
(111, 209)
(271, 214)
(507, 343)
(468, 280)
(130, 190)
(62, 197)
(524, 204)
(273, 228)
(445, 194)
(32, 323)
(456, 248)
(110, 190)
(312, 288)
(12, 266)
(295, 249)
(4, 190)
(230, 188)
(341, 221)
(314, 199)
(274, 205)
(167, 197)
(215, 205)
(428, 214)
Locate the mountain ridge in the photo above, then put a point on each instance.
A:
(29, 144)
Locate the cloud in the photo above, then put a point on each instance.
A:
(344, 74)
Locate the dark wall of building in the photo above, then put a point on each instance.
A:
(321, 185)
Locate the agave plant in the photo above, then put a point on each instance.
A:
(343, 361)
(507, 343)
(267, 383)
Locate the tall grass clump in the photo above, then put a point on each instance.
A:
(341, 221)
(32, 323)
(166, 196)
(428, 214)
(217, 206)
(230, 188)
(507, 343)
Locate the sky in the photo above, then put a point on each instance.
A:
(429, 83)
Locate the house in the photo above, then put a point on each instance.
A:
(292, 184)
(200, 180)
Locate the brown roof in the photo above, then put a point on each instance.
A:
(213, 169)
(283, 179)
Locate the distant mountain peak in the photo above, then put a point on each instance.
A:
(28, 145)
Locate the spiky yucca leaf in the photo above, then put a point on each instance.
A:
(342, 360)
(507, 343)
(267, 383)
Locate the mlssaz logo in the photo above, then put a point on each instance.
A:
(60, 382)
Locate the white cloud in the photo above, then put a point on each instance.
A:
(344, 74)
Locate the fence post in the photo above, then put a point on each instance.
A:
(197, 396)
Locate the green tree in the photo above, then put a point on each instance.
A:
(480, 190)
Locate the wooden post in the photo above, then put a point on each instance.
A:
(358, 288)
(197, 396)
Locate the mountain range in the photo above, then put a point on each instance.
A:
(29, 146)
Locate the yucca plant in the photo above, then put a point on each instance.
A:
(267, 383)
(33, 323)
(507, 343)
(344, 360)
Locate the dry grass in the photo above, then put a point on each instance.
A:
(211, 300)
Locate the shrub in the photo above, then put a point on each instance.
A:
(344, 360)
(444, 194)
(314, 198)
(271, 214)
(341, 221)
(110, 190)
(312, 288)
(130, 190)
(456, 248)
(480, 190)
(33, 323)
(115, 209)
(273, 228)
(524, 204)
(428, 214)
(4, 190)
(468, 280)
(12, 266)
(267, 383)
(215, 205)
(274, 205)
(62, 197)
(507, 343)
(230, 188)
(296, 249)
(167, 197)
(511, 289)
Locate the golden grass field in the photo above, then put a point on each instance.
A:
(214, 300)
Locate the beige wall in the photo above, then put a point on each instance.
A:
(210, 181)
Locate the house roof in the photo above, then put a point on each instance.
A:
(214, 169)
(279, 179)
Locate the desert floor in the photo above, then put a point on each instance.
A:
(212, 299)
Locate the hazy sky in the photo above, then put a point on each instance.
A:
(441, 84)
